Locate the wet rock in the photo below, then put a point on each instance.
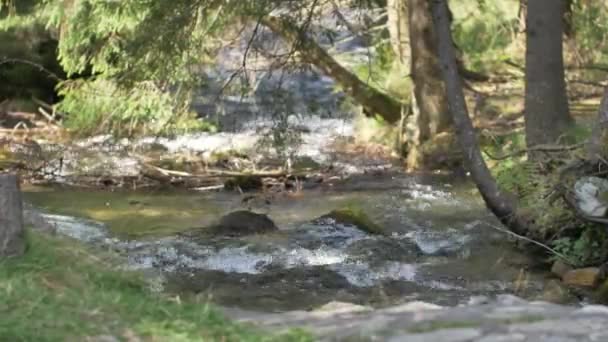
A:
(584, 277)
(242, 223)
(354, 217)
(307, 288)
(341, 307)
(509, 300)
(453, 335)
(590, 194)
(519, 321)
(478, 300)
(382, 250)
(560, 268)
(556, 292)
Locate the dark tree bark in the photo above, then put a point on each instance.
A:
(546, 104)
(12, 235)
(374, 101)
(503, 205)
(569, 18)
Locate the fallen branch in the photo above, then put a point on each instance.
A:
(217, 173)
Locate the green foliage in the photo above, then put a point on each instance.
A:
(531, 183)
(586, 249)
(283, 136)
(485, 30)
(25, 41)
(375, 130)
(100, 106)
(60, 291)
(378, 69)
(509, 173)
(590, 21)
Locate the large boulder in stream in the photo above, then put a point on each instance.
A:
(242, 223)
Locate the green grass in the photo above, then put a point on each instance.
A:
(61, 291)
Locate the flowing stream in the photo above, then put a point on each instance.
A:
(439, 246)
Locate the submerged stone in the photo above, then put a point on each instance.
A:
(560, 268)
(381, 250)
(244, 222)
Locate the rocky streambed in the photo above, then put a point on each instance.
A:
(504, 319)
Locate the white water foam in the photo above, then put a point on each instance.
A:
(81, 229)
(433, 242)
(363, 275)
(173, 254)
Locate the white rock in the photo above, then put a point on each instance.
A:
(588, 192)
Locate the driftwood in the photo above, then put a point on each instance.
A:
(12, 234)
(164, 174)
(213, 179)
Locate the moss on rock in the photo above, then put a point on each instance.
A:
(355, 217)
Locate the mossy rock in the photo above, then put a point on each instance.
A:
(242, 223)
(355, 217)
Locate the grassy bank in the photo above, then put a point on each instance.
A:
(61, 291)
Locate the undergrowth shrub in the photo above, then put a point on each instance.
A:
(535, 184)
(99, 106)
(486, 31)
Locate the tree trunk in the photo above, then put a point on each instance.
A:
(546, 104)
(12, 235)
(501, 204)
(522, 13)
(374, 101)
(397, 28)
(569, 19)
(431, 116)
